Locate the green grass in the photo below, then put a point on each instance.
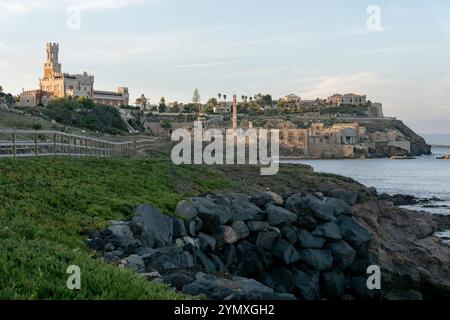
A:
(47, 205)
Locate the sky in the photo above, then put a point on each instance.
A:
(395, 51)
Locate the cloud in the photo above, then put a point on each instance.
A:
(205, 65)
(24, 6)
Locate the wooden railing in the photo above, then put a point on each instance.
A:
(41, 143)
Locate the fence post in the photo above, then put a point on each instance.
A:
(36, 144)
(54, 144)
(14, 147)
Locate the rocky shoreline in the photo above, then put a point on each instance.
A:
(264, 246)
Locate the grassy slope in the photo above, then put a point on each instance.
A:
(47, 204)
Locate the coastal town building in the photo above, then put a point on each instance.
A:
(292, 98)
(335, 99)
(56, 84)
(353, 99)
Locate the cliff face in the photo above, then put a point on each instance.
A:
(418, 144)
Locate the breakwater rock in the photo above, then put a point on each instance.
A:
(263, 246)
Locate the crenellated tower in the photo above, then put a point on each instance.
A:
(52, 65)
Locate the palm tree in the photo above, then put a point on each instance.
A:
(219, 95)
(243, 98)
(225, 97)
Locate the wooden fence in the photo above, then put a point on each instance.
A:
(41, 143)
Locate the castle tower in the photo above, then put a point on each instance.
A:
(52, 65)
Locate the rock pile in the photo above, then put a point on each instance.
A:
(264, 246)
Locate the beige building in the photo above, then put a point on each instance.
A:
(292, 98)
(353, 99)
(56, 84)
(335, 99)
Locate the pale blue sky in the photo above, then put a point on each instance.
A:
(311, 48)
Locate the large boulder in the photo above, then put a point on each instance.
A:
(210, 213)
(307, 284)
(266, 239)
(205, 261)
(186, 210)
(333, 283)
(225, 235)
(242, 209)
(236, 288)
(320, 209)
(277, 215)
(349, 197)
(179, 229)
(256, 226)
(207, 242)
(308, 241)
(240, 229)
(285, 251)
(297, 204)
(156, 229)
(339, 206)
(122, 235)
(320, 260)
(329, 231)
(356, 235)
(342, 253)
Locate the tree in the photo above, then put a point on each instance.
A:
(142, 101)
(196, 97)
(162, 105)
(219, 95)
(212, 102)
(225, 97)
(242, 98)
(1, 89)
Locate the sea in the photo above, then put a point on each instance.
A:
(423, 177)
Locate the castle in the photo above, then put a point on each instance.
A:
(56, 84)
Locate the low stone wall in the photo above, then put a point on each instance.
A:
(265, 246)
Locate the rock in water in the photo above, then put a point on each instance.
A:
(329, 231)
(307, 284)
(186, 210)
(308, 241)
(320, 260)
(342, 253)
(157, 229)
(286, 251)
(278, 215)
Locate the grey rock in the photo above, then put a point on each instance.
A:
(240, 229)
(230, 289)
(359, 285)
(121, 232)
(348, 196)
(187, 241)
(190, 228)
(283, 276)
(219, 265)
(225, 235)
(109, 247)
(244, 210)
(285, 251)
(339, 206)
(256, 226)
(266, 239)
(334, 283)
(308, 241)
(277, 215)
(178, 279)
(186, 210)
(156, 228)
(276, 198)
(307, 284)
(261, 199)
(229, 255)
(211, 214)
(321, 209)
(320, 260)
(329, 231)
(306, 222)
(356, 235)
(186, 260)
(289, 233)
(297, 204)
(342, 253)
(135, 262)
(207, 241)
(205, 261)
(179, 229)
